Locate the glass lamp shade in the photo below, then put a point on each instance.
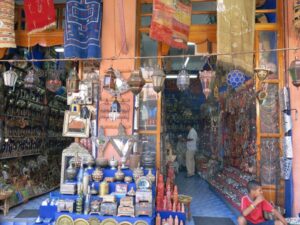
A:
(235, 78)
(136, 82)
(109, 81)
(158, 78)
(53, 82)
(183, 80)
(206, 78)
(31, 80)
(294, 70)
(73, 81)
(115, 110)
(10, 77)
(262, 72)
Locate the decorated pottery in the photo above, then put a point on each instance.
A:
(102, 162)
(128, 179)
(97, 175)
(150, 176)
(71, 172)
(137, 173)
(113, 163)
(119, 175)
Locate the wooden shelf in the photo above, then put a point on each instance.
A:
(17, 156)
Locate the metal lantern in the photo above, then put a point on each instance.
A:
(115, 110)
(10, 77)
(158, 78)
(31, 80)
(109, 81)
(73, 81)
(295, 72)
(183, 80)
(206, 78)
(53, 82)
(136, 82)
(262, 73)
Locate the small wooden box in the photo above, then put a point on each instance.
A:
(143, 196)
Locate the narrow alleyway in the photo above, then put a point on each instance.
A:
(205, 202)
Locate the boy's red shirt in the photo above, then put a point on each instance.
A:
(256, 216)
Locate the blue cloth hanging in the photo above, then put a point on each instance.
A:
(83, 29)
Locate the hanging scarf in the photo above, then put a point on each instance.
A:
(7, 33)
(40, 15)
(235, 33)
(171, 22)
(83, 29)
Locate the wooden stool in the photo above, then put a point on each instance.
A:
(4, 197)
(186, 200)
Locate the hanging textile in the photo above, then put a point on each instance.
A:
(40, 15)
(171, 22)
(7, 33)
(83, 29)
(235, 33)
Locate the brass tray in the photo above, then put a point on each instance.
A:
(64, 220)
(125, 223)
(94, 221)
(81, 221)
(109, 222)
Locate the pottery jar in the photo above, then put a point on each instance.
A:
(97, 175)
(119, 175)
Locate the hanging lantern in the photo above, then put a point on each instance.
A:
(206, 78)
(73, 81)
(31, 80)
(93, 76)
(262, 73)
(183, 80)
(109, 81)
(10, 77)
(158, 78)
(235, 78)
(115, 110)
(136, 82)
(294, 70)
(53, 82)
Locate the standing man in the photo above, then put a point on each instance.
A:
(191, 145)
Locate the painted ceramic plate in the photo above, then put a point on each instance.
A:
(64, 220)
(125, 223)
(109, 222)
(81, 221)
(94, 221)
(140, 222)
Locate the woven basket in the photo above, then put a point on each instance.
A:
(5, 194)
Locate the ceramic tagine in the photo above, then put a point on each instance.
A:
(137, 173)
(97, 175)
(113, 163)
(119, 175)
(71, 172)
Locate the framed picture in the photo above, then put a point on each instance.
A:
(121, 188)
(75, 126)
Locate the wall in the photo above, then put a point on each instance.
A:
(111, 43)
(293, 41)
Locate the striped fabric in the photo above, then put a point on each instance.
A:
(7, 33)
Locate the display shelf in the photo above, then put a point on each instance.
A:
(18, 156)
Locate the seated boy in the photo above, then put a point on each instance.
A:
(254, 204)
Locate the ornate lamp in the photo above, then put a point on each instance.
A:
(115, 110)
(206, 78)
(10, 77)
(183, 80)
(294, 70)
(158, 78)
(262, 73)
(73, 81)
(136, 82)
(31, 80)
(109, 81)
